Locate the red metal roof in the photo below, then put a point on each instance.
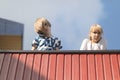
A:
(60, 65)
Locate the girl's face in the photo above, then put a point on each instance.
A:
(95, 36)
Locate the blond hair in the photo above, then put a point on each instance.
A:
(97, 28)
(40, 24)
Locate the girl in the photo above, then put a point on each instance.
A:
(44, 40)
(95, 41)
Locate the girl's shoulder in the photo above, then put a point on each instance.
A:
(103, 40)
(86, 40)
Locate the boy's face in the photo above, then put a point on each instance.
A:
(95, 36)
(47, 29)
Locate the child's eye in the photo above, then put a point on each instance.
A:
(45, 24)
(96, 32)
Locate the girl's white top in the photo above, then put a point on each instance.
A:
(88, 45)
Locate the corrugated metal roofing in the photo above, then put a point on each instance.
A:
(65, 65)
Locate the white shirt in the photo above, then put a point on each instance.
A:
(88, 45)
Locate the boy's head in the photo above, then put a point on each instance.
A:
(42, 26)
(95, 33)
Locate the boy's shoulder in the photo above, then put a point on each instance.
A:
(54, 37)
(39, 37)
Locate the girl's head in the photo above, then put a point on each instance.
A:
(95, 33)
(42, 26)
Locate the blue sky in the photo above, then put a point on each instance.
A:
(70, 19)
(111, 23)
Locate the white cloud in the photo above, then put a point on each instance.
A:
(70, 19)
